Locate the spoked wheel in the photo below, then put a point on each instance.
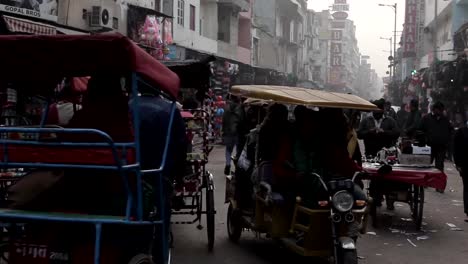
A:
(418, 205)
(141, 259)
(210, 217)
(234, 226)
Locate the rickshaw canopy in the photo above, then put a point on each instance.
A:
(303, 96)
(46, 59)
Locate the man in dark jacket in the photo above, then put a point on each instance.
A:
(402, 116)
(389, 111)
(378, 131)
(461, 161)
(437, 129)
(414, 119)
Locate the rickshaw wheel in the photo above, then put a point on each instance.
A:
(210, 218)
(418, 205)
(233, 224)
(141, 259)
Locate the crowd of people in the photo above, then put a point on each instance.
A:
(318, 140)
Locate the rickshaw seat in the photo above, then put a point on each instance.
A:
(65, 155)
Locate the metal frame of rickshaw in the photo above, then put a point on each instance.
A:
(120, 164)
(285, 226)
(204, 180)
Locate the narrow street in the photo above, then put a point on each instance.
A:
(395, 241)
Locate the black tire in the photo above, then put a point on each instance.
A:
(141, 259)
(347, 256)
(234, 227)
(210, 218)
(418, 206)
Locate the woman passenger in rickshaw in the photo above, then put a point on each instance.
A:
(323, 151)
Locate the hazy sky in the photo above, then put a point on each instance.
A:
(372, 22)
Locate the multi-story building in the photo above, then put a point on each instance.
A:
(351, 55)
(188, 30)
(442, 19)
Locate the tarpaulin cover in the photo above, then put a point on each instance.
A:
(47, 59)
(303, 96)
(426, 177)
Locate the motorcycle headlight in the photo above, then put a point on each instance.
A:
(343, 201)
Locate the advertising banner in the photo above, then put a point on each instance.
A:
(43, 9)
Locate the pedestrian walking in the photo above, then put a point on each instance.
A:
(389, 111)
(437, 129)
(414, 119)
(232, 119)
(460, 156)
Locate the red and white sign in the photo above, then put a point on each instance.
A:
(340, 15)
(410, 29)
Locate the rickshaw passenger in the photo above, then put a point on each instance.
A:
(274, 144)
(306, 154)
(337, 161)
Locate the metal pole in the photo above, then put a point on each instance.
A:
(394, 41)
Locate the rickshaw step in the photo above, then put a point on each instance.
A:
(69, 217)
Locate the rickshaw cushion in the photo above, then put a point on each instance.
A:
(65, 155)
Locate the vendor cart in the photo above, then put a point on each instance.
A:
(411, 181)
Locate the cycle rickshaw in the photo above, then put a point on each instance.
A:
(198, 180)
(35, 65)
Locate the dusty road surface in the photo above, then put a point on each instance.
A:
(396, 241)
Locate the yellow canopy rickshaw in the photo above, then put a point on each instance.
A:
(301, 96)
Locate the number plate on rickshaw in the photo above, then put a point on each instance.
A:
(37, 254)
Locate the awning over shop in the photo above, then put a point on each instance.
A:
(20, 25)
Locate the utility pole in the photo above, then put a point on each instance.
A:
(391, 55)
(395, 7)
(394, 41)
(435, 42)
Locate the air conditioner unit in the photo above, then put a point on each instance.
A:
(101, 16)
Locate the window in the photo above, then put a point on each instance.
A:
(180, 12)
(192, 17)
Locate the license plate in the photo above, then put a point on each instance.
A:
(38, 254)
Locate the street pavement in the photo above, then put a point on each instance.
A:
(396, 240)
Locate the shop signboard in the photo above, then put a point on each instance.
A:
(43, 9)
(410, 28)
